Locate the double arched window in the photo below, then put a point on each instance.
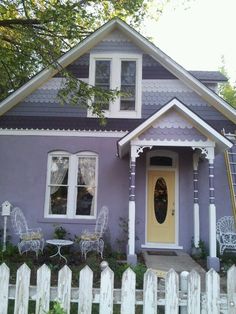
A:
(71, 185)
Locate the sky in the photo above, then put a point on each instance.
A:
(197, 34)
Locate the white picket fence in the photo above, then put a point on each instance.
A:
(153, 295)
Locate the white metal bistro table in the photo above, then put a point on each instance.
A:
(59, 243)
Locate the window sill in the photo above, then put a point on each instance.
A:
(79, 221)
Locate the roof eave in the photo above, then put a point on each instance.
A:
(222, 142)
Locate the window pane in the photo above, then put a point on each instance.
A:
(85, 202)
(102, 75)
(102, 80)
(128, 85)
(59, 170)
(161, 161)
(58, 200)
(86, 171)
(128, 72)
(86, 185)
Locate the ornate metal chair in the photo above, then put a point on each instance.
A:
(30, 239)
(92, 241)
(226, 233)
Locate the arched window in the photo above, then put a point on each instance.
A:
(71, 185)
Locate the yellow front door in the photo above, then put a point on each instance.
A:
(161, 206)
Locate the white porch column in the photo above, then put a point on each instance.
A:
(132, 257)
(196, 219)
(212, 260)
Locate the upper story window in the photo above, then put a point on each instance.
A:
(71, 185)
(122, 72)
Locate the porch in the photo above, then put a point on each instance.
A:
(160, 141)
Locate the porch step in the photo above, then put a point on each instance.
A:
(230, 160)
(182, 261)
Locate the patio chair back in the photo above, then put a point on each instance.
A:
(102, 221)
(19, 222)
(30, 239)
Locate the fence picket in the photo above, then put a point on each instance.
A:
(172, 289)
(43, 290)
(149, 292)
(212, 292)
(85, 291)
(231, 289)
(194, 293)
(128, 292)
(64, 288)
(22, 290)
(106, 291)
(4, 279)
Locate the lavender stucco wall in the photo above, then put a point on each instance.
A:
(23, 161)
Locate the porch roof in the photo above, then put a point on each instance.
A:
(189, 131)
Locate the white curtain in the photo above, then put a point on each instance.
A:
(59, 169)
(87, 173)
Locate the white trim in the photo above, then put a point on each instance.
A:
(161, 246)
(72, 182)
(77, 133)
(197, 122)
(115, 83)
(175, 169)
(178, 143)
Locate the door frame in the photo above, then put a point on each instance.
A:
(175, 167)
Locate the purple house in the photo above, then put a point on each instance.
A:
(158, 163)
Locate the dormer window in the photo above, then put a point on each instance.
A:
(122, 72)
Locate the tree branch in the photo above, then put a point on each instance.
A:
(21, 22)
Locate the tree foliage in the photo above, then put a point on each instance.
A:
(35, 33)
(228, 90)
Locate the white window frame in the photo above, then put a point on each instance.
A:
(115, 82)
(72, 183)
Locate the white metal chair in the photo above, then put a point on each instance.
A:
(92, 241)
(226, 233)
(30, 239)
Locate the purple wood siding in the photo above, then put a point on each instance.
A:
(154, 70)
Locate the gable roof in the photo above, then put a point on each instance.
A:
(209, 76)
(148, 47)
(222, 142)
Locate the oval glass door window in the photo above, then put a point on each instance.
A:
(160, 200)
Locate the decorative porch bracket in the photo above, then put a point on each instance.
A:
(136, 150)
(212, 259)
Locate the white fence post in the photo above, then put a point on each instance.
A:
(85, 291)
(231, 290)
(149, 292)
(43, 290)
(128, 292)
(212, 292)
(172, 293)
(106, 291)
(22, 290)
(64, 288)
(4, 280)
(194, 293)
